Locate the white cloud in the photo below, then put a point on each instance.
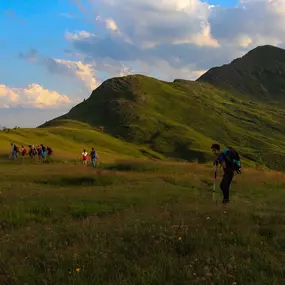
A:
(83, 73)
(177, 37)
(78, 35)
(109, 23)
(33, 96)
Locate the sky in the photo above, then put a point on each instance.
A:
(54, 53)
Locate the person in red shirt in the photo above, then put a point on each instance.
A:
(24, 151)
(49, 151)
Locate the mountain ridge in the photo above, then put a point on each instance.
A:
(260, 74)
(182, 118)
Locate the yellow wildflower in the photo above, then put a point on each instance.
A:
(77, 270)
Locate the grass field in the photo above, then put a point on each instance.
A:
(138, 222)
(69, 139)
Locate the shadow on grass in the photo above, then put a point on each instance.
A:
(135, 166)
(96, 180)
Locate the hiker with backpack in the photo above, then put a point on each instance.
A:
(24, 152)
(44, 151)
(49, 151)
(230, 161)
(15, 151)
(39, 152)
(32, 151)
(94, 157)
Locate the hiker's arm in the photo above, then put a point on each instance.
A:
(223, 161)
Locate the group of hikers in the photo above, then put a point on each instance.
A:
(41, 151)
(228, 159)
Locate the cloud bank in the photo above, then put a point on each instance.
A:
(192, 36)
(33, 96)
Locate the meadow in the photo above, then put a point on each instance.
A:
(135, 221)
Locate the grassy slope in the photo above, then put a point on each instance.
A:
(182, 119)
(160, 226)
(68, 140)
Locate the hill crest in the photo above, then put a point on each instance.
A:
(181, 119)
(260, 74)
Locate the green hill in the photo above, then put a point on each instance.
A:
(68, 138)
(182, 118)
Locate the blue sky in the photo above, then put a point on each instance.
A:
(54, 53)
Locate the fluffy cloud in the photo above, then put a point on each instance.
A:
(262, 21)
(182, 37)
(78, 35)
(84, 73)
(33, 96)
(75, 69)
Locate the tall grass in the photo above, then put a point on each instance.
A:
(156, 225)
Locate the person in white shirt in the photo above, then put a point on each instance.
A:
(84, 157)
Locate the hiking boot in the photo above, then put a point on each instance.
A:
(226, 201)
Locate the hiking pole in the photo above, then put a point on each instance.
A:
(215, 179)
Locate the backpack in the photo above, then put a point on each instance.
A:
(232, 159)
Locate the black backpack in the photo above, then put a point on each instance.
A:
(232, 159)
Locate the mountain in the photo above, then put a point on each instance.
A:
(260, 74)
(183, 118)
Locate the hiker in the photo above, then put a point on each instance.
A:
(32, 151)
(39, 151)
(94, 157)
(49, 151)
(24, 151)
(12, 155)
(230, 161)
(84, 157)
(15, 150)
(44, 151)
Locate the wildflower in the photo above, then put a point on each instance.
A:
(234, 283)
(77, 269)
(179, 238)
(208, 218)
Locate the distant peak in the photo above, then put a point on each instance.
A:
(265, 49)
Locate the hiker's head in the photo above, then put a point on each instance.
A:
(92, 148)
(216, 148)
